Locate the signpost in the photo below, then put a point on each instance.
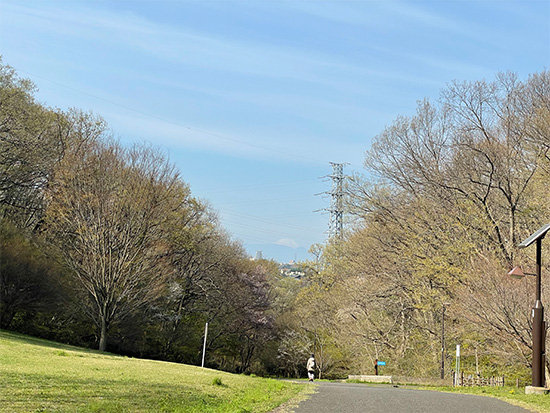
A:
(376, 364)
(204, 345)
(457, 366)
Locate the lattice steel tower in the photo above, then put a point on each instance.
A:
(336, 210)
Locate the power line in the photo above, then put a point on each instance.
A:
(266, 221)
(265, 201)
(256, 186)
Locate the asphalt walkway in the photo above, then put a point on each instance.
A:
(355, 398)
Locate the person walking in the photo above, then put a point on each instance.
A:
(311, 368)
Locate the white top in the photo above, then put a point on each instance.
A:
(311, 364)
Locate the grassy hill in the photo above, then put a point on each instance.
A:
(40, 375)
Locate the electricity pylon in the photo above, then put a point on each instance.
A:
(336, 209)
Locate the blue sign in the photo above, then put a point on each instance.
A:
(381, 363)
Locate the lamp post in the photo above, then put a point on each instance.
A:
(537, 313)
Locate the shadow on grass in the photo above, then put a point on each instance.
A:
(23, 339)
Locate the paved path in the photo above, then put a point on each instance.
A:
(352, 398)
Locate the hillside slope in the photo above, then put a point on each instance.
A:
(40, 375)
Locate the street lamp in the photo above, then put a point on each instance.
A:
(537, 313)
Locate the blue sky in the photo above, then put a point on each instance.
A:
(253, 99)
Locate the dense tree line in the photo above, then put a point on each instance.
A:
(448, 194)
(104, 245)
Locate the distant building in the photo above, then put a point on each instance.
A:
(258, 256)
(291, 270)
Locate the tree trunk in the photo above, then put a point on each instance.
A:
(103, 336)
(6, 316)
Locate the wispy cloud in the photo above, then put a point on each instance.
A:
(310, 150)
(189, 48)
(166, 132)
(287, 242)
(392, 15)
(317, 87)
(460, 27)
(340, 12)
(415, 13)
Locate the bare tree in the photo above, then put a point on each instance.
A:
(478, 146)
(459, 184)
(107, 212)
(30, 146)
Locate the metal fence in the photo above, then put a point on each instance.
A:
(470, 380)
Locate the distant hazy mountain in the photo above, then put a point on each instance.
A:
(279, 253)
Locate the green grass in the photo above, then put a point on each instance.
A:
(43, 376)
(512, 395)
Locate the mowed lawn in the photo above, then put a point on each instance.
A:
(40, 375)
